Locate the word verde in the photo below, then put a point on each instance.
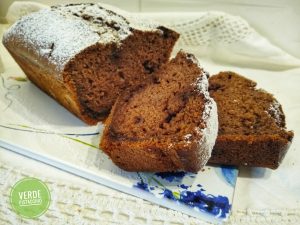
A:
(30, 198)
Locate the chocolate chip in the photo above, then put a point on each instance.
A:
(166, 32)
(149, 66)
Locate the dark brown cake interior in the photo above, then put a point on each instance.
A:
(243, 109)
(167, 108)
(158, 127)
(252, 128)
(101, 73)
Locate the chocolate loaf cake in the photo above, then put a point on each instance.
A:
(169, 125)
(84, 55)
(252, 128)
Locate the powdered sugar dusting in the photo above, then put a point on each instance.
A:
(209, 116)
(209, 134)
(275, 112)
(59, 33)
(48, 32)
(188, 138)
(136, 21)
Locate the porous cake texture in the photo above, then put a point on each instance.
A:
(252, 130)
(168, 125)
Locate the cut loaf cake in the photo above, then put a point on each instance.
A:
(168, 125)
(252, 128)
(84, 55)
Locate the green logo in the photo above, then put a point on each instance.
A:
(30, 198)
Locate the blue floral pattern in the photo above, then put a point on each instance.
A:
(230, 174)
(175, 176)
(172, 186)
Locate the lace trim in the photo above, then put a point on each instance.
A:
(78, 205)
(211, 28)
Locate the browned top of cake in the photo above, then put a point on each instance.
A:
(245, 110)
(59, 33)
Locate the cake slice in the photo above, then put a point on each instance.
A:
(169, 125)
(252, 128)
(85, 55)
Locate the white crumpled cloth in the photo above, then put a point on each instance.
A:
(222, 42)
(226, 39)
